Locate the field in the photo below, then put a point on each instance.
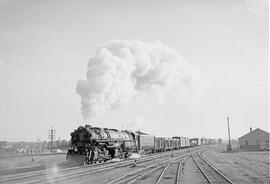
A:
(18, 164)
(242, 166)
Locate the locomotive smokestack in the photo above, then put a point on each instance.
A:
(250, 129)
(121, 69)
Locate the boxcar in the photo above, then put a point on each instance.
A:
(188, 142)
(194, 142)
(168, 144)
(177, 142)
(182, 142)
(159, 144)
(171, 143)
(146, 143)
(203, 141)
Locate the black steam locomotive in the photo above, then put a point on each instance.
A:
(93, 145)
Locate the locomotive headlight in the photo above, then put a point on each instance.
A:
(75, 149)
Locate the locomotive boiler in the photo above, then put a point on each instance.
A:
(93, 144)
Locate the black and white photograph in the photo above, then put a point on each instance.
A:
(134, 92)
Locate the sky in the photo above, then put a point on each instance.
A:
(45, 46)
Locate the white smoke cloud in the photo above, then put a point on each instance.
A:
(257, 7)
(121, 69)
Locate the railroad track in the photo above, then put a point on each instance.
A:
(71, 175)
(171, 172)
(144, 161)
(209, 171)
(55, 174)
(169, 168)
(135, 176)
(52, 170)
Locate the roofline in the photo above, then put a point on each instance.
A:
(253, 131)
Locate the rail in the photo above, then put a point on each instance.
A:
(212, 167)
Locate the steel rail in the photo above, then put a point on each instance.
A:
(132, 177)
(76, 171)
(214, 168)
(165, 166)
(178, 173)
(162, 172)
(14, 177)
(28, 174)
(66, 176)
(204, 174)
(178, 170)
(79, 173)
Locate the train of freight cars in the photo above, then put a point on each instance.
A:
(93, 145)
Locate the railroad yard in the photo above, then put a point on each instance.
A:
(134, 92)
(201, 164)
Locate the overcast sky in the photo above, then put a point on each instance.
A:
(45, 46)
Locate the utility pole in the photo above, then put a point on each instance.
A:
(229, 147)
(37, 146)
(51, 136)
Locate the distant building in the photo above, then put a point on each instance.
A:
(255, 140)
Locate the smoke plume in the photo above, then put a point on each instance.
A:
(121, 69)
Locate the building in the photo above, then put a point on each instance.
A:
(255, 140)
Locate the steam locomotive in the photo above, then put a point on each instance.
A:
(93, 145)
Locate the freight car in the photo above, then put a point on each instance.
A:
(176, 143)
(168, 144)
(159, 144)
(195, 142)
(204, 141)
(183, 142)
(187, 142)
(145, 142)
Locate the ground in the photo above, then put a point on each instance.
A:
(240, 167)
(9, 165)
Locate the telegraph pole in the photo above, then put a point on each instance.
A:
(229, 147)
(37, 146)
(51, 136)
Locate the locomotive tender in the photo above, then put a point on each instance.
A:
(93, 144)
